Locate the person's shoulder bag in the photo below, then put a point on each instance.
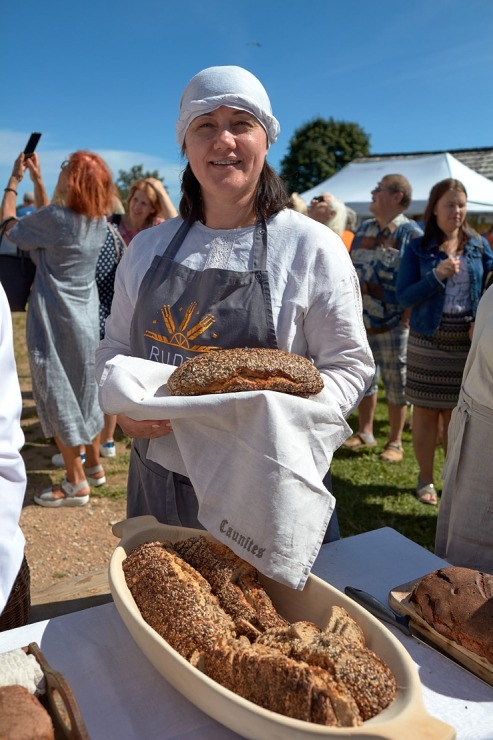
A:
(17, 273)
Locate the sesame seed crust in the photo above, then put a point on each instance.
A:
(245, 369)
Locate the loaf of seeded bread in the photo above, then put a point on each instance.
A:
(234, 582)
(275, 681)
(245, 369)
(458, 603)
(174, 599)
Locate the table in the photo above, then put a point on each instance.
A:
(122, 696)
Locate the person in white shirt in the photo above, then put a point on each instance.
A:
(464, 533)
(237, 268)
(14, 571)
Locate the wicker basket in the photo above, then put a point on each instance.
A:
(16, 612)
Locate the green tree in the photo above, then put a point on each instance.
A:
(127, 177)
(319, 149)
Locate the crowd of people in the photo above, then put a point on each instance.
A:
(390, 299)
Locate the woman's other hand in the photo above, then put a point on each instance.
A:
(34, 167)
(40, 195)
(447, 268)
(167, 207)
(148, 429)
(19, 167)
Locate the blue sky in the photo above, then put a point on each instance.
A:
(108, 76)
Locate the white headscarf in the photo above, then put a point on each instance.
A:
(234, 87)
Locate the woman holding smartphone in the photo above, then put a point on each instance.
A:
(64, 240)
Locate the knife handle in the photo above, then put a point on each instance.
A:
(377, 608)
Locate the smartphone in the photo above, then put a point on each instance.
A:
(32, 144)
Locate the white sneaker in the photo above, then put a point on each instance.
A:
(107, 450)
(58, 461)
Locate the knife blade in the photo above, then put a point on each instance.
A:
(378, 609)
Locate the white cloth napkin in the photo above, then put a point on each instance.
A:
(256, 461)
(17, 667)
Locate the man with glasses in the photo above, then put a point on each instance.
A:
(376, 252)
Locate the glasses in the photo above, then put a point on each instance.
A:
(318, 199)
(64, 164)
(379, 188)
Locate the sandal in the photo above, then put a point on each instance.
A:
(95, 481)
(360, 441)
(426, 494)
(71, 496)
(392, 452)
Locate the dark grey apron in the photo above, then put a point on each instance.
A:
(180, 313)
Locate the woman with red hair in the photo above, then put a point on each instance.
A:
(64, 239)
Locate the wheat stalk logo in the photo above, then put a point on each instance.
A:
(184, 334)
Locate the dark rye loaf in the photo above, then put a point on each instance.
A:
(458, 603)
(245, 369)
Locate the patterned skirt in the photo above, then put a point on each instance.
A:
(435, 364)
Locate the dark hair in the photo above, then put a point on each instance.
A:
(433, 232)
(271, 195)
(399, 184)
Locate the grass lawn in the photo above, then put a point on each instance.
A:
(372, 494)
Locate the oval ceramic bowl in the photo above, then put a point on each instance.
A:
(406, 718)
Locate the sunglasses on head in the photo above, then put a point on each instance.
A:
(318, 199)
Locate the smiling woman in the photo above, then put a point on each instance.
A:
(441, 277)
(226, 151)
(238, 268)
(148, 204)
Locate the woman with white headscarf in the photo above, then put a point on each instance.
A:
(262, 274)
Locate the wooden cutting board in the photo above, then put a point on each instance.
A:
(399, 602)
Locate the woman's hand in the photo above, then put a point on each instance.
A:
(447, 268)
(19, 167)
(34, 167)
(8, 206)
(149, 429)
(167, 207)
(40, 195)
(156, 184)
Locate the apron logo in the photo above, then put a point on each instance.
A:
(183, 335)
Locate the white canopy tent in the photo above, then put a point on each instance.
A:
(353, 184)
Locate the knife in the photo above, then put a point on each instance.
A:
(379, 609)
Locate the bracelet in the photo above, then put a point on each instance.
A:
(9, 190)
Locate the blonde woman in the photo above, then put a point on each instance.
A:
(148, 204)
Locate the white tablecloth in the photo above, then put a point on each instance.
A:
(122, 696)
